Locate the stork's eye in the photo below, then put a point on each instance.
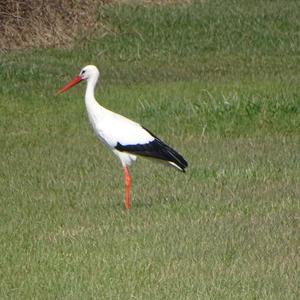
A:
(83, 71)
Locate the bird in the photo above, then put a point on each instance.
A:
(126, 138)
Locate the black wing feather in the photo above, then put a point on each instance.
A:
(155, 149)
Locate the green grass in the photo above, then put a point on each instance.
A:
(219, 81)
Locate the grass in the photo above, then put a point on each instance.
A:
(40, 24)
(219, 81)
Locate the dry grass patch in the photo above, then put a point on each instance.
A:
(28, 24)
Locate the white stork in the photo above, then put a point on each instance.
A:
(127, 139)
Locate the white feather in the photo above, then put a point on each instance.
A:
(113, 128)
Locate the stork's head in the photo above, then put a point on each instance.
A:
(89, 73)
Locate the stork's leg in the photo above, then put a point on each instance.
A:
(127, 187)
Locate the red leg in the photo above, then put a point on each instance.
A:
(127, 186)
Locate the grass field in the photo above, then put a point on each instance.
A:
(217, 80)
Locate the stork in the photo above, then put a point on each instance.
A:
(127, 139)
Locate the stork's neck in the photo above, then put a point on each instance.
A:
(90, 90)
(94, 109)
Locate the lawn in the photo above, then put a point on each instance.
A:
(218, 81)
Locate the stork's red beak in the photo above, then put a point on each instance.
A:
(73, 82)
